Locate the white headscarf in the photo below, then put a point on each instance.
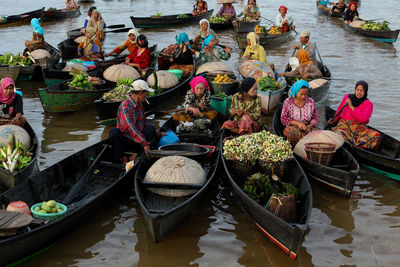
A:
(208, 23)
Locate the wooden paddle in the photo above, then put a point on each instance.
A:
(222, 46)
(320, 58)
(75, 189)
(115, 26)
(334, 117)
(119, 30)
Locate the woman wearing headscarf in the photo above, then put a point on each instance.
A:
(140, 57)
(182, 59)
(228, 9)
(97, 23)
(200, 8)
(245, 109)
(129, 44)
(90, 48)
(211, 53)
(37, 37)
(251, 10)
(299, 113)
(197, 101)
(89, 16)
(284, 21)
(339, 7)
(307, 68)
(71, 4)
(11, 103)
(351, 13)
(354, 117)
(203, 33)
(253, 49)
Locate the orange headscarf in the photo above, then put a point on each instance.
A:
(304, 57)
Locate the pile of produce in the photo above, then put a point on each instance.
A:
(52, 9)
(19, 59)
(263, 146)
(81, 81)
(223, 79)
(15, 155)
(120, 92)
(170, 50)
(182, 16)
(215, 19)
(158, 14)
(260, 29)
(292, 80)
(274, 30)
(268, 84)
(49, 207)
(378, 26)
(260, 187)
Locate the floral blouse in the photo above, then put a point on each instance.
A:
(217, 55)
(305, 114)
(143, 60)
(251, 11)
(191, 100)
(251, 107)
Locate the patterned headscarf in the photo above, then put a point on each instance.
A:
(141, 41)
(199, 79)
(207, 41)
(304, 57)
(36, 26)
(296, 88)
(182, 38)
(3, 98)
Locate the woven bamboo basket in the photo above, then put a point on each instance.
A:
(284, 206)
(321, 153)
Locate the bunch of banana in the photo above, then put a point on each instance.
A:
(127, 81)
(222, 79)
(274, 30)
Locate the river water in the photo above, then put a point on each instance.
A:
(360, 231)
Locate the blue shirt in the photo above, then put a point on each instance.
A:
(324, 2)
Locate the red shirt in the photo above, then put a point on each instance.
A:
(143, 60)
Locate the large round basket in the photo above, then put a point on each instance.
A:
(272, 167)
(46, 216)
(242, 169)
(321, 153)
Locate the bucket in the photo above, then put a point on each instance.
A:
(170, 138)
(177, 72)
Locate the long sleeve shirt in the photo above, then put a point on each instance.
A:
(349, 15)
(257, 54)
(215, 56)
(143, 60)
(229, 10)
(306, 114)
(127, 44)
(191, 100)
(251, 107)
(132, 120)
(310, 69)
(310, 47)
(361, 114)
(279, 20)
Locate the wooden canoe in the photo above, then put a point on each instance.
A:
(163, 214)
(245, 26)
(11, 179)
(68, 49)
(19, 19)
(325, 12)
(221, 26)
(287, 236)
(54, 183)
(168, 21)
(264, 39)
(60, 14)
(339, 176)
(383, 36)
(108, 110)
(386, 158)
(271, 99)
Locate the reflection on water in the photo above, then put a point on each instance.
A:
(362, 230)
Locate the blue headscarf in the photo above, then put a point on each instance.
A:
(36, 26)
(182, 38)
(207, 41)
(296, 88)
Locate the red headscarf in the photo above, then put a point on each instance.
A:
(353, 3)
(3, 98)
(199, 79)
(285, 8)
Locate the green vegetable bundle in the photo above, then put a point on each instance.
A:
(14, 156)
(19, 59)
(182, 16)
(81, 81)
(217, 19)
(268, 84)
(120, 92)
(379, 26)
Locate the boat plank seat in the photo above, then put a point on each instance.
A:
(10, 220)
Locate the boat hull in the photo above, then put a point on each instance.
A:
(383, 36)
(60, 14)
(21, 18)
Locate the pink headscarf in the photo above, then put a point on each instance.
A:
(3, 98)
(199, 79)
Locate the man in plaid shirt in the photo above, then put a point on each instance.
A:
(131, 123)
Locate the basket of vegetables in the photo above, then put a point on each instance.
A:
(48, 210)
(376, 26)
(222, 83)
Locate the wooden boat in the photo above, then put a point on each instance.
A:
(339, 176)
(108, 110)
(221, 26)
(74, 33)
(271, 99)
(9, 71)
(287, 236)
(23, 18)
(60, 98)
(164, 214)
(264, 39)
(383, 36)
(386, 158)
(11, 179)
(46, 62)
(60, 14)
(245, 26)
(325, 12)
(68, 49)
(168, 21)
(55, 182)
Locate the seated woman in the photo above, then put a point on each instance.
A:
(245, 109)
(324, 3)
(339, 7)
(140, 57)
(284, 21)
(227, 9)
(71, 4)
(197, 101)
(307, 68)
(354, 117)
(202, 34)
(11, 103)
(129, 44)
(88, 17)
(37, 37)
(351, 13)
(90, 48)
(97, 23)
(183, 58)
(200, 8)
(211, 53)
(299, 113)
(253, 49)
(251, 10)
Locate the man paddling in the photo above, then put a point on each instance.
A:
(306, 44)
(131, 124)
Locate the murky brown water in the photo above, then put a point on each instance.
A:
(362, 231)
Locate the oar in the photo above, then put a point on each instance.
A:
(75, 189)
(119, 30)
(115, 26)
(320, 58)
(337, 114)
(222, 46)
(336, 79)
(267, 19)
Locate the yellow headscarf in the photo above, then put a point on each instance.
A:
(304, 57)
(253, 40)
